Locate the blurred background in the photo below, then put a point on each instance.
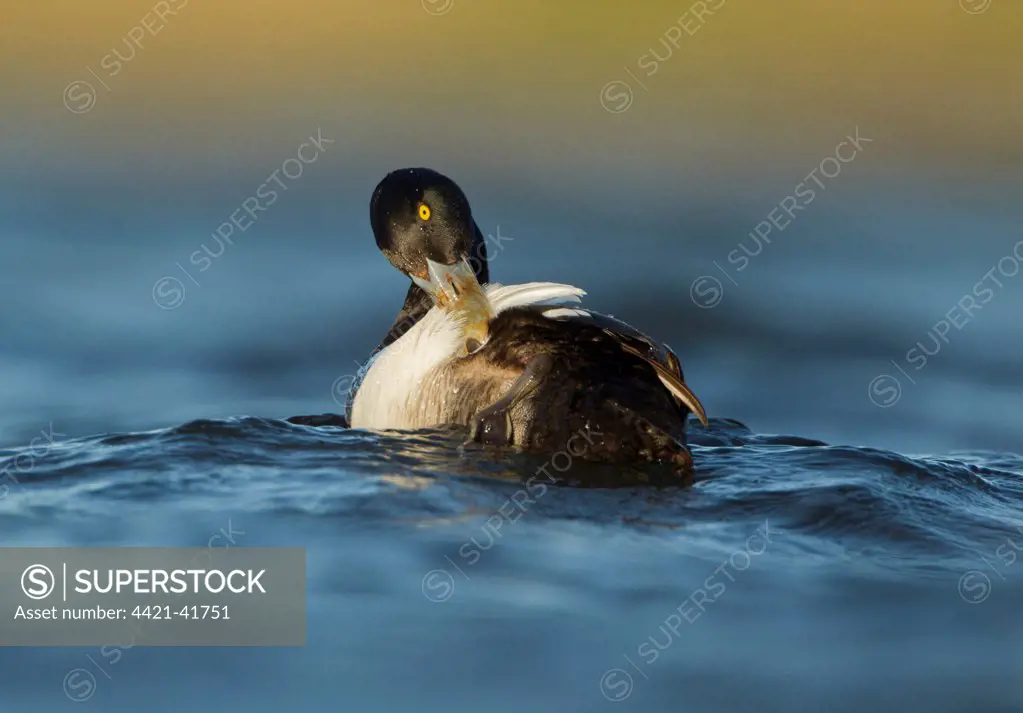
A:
(816, 204)
(627, 148)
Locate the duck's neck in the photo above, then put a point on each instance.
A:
(478, 258)
(418, 303)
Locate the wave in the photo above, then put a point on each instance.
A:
(831, 495)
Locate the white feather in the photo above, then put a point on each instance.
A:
(567, 313)
(389, 395)
(504, 297)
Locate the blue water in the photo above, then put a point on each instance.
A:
(863, 559)
(794, 575)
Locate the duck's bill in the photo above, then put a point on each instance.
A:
(455, 289)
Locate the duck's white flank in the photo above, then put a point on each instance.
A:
(388, 396)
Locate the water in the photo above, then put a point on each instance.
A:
(863, 559)
(795, 575)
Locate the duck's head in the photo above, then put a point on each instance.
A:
(418, 214)
(423, 225)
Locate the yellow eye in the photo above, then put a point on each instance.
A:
(424, 211)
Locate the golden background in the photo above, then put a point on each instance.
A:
(508, 86)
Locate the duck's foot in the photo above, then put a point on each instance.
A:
(493, 425)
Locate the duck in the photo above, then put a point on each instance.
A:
(523, 366)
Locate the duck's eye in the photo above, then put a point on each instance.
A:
(424, 211)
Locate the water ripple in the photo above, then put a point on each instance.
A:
(855, 497)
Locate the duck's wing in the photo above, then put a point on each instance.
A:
(671, 377)
(659, 356)
(660, 353)
(576, 380)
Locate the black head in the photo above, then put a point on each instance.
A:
(417, 213)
